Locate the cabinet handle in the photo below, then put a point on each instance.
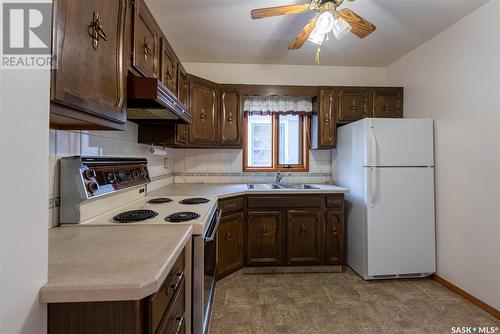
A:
(334, 229)
(180, 321)
(387, 108)
(177, 282)
(264, 230)
(354, 107)
(147, 49)
(96, 31)
(303, 230)
(203, 115)
(228, 236)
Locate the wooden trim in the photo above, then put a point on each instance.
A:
(276, 167)
(490, 309)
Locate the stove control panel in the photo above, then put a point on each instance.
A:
(100, 179)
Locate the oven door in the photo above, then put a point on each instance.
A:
(210, 254)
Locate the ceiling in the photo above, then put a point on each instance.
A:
(221, 31)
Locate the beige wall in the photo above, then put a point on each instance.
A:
(306, 75)
(454, 79)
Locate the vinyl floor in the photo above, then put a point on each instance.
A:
(338, 303)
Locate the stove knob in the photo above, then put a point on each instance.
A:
(89, 174)
(92, 187)
(111, 177)
(135, 174)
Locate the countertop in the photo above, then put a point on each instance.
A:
(222, 190)
(106, 263)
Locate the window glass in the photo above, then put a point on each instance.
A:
(289, 140)
(260, 132)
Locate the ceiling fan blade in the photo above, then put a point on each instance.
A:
(303, 35)
(360, 26)
(279, 10)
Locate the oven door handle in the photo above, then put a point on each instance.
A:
(215, 226)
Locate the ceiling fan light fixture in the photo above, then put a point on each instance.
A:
(325, 22)
(317, 36)
(340, 27)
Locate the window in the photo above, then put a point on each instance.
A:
(275, 143)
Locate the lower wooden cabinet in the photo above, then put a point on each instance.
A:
(160, 313)
(304, 242)
(263, 246)
(335, 237)
(230, 241)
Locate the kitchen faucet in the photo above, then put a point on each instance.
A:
(279, 176)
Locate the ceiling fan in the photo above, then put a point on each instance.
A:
(328, 19)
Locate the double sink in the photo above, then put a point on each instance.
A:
(268, 186)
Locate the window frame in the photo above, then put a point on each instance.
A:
(276, 167)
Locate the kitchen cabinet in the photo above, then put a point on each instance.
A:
(264, 244)
(162, 312)
(335, 241)
(203, 103)
(168, 70)
(230, 238)
(182, 130)
(324, 119)
(230, 116)
(355, 103)
(145, 43)
(88, 43)
(388, 102)
(304, 237)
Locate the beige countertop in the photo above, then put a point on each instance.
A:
(107, 263)
(221, 190)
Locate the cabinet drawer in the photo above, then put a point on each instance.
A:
(231, 204)
(335, 202)
(161, 300)
(174, 321)
(284, 202)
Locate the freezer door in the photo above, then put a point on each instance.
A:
(399, 142)
(400, 221)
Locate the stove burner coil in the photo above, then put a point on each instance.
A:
(160, 200)
(134, 216)
(195, 200)
(182, 217)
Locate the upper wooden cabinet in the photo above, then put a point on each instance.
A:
(388, 102)
(355, 103)
(89, 81)
(230, 116)
(145, 43)
(203, 103)
(182, 130)
(304, 242)
(324, 119)
(168, 69)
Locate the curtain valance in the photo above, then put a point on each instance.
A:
(283, 105)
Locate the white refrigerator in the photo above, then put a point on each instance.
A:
(388, 166)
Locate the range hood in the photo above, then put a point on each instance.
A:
(149, 100)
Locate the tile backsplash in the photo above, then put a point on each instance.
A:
(173, 165)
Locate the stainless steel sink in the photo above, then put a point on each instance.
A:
(267, 186)
(296, 186)
(263, 186)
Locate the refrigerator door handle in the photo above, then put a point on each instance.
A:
(374, 163)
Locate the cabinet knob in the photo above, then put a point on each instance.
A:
(303, 230)
(228, 236)
(334, 229)
(147, 49)
(354, 107)
(327, 120)
(264, 230)
(230, 117)
(203, 115)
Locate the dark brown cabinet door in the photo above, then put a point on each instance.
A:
(168, 72)
(230, 239)
(230, 117)
(263, 238)
(388, 102)
(304, 232)
(335, 239)
(203, 105)
(327, 119)
(182, 130)
(145, 42)
(355, 104)
(89, 75)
